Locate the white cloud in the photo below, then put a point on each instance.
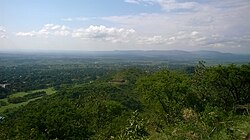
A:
(75, 19)
(55, 27)
(101, 32)
(47, 30)
(200, 39)
(154, 40)
(167, 5)
(180, 38)
(132, 1)
(67, 19)
(27, 34)
(212, 23)
(3, 32)
(104, 33)
(194, 33)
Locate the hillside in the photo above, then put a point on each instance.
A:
(211, 102)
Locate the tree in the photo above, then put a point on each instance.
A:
(164, 92)
(224, 86)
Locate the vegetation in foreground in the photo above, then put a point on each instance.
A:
(209, 103)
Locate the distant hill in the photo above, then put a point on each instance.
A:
(212, 57)
(178, 55)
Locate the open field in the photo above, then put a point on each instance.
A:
(10, 106)
(49, 91)
(18, 94)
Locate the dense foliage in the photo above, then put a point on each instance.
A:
(30, 77)
(210, 103)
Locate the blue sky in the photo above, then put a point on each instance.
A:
(125, 25)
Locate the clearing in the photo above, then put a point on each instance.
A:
(49, 91)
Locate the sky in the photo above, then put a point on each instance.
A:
(105, 25)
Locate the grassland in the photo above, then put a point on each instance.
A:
(49, 91)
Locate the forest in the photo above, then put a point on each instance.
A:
(125, 101)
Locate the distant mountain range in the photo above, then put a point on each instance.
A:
(169, 55)
(177, 55)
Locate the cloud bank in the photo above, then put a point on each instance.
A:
(104, 33)
(101, 32)
(177, 24)
(46, 31)
(2, 32)
(191, 23)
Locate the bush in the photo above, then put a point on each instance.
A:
(2, 103)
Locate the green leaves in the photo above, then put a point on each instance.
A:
(164, 92)
(136, 129)
(226, 86)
